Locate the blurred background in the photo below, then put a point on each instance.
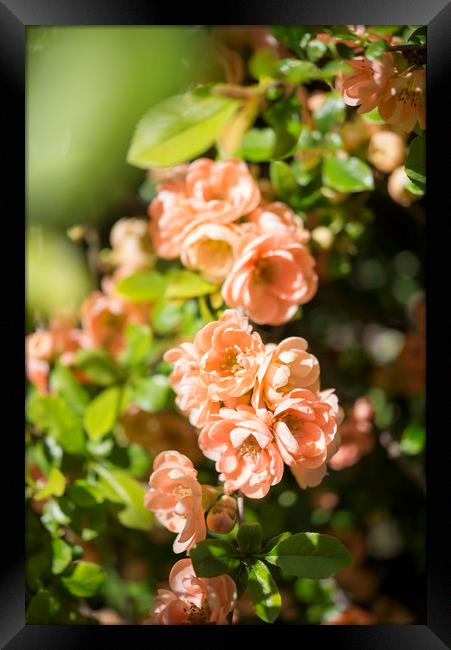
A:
(86, 89)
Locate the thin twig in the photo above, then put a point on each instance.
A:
(92, 241)
(394, 452)
(240, 504)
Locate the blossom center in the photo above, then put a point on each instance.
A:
(263, 271)
(230, 361)
(250, 448)
(181, 491)
(197, 615)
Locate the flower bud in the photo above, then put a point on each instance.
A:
(397, 189)
(222, 516)
(386, 150)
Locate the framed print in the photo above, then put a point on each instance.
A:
(226, 277)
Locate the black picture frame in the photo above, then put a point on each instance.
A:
(15, 17)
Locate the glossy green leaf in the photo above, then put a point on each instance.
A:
(120, 487)
(376, 49)
(143, 286)
(138, 341)
(347, 174)
(98, 366)
(85, 494)
(258, 144)
(101, 414)
(263, 592)
(61, 555)
(42, 607)
(151, 394)
(296, 72)
(285, 118)
(85, 579)
(214, 557)
(262, 64)
(415, 165)
(179, 128)
(330, 112)
(63, 382)
(309, 555)
(283, 179)
(53, 416)
(316, 49)
(55, 486)
(413, 440)
(187, 284)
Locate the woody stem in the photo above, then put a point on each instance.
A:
(240, 504)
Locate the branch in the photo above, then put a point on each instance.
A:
(394, 452)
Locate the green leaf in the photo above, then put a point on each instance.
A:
(85, 494)
(316, 50)
(347, 174)
(53, 517)
(258, 144)
(63, 382)
(98, 366)
(415, 165)
(249, 537)
(330, 112)
(42, 607)
(262, 63)
(187, 284)
(297, 72)
(85, 579)
(263, 592)
(138, 342)
(376, 49)
(413, 440)
(179, 128)
(283, 179)
(167, 317)
(309, 555)
(62, 555)
(285, 118)
(214, 557)
(101, 414)
(144, 286)
(53, 416)
(119, 487)
(269, 546)
(151, 394)
(55, 486)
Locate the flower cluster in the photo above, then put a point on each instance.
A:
(211, 216)
(398, 92)
(104, 315)
(258, 407)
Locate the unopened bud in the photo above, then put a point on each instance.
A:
(386, 150)
(323, 236)
(222, 517)
(397, 187)
(76, 233)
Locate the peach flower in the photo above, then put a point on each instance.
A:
(132, 246)
(175, 497)
(192, 600)
(368, 83)
(356, 435)
(39, 351)
(406, 104)
(305, 427)
(277, 217)
(273, 276)
(215, 192)
(230, 354)
(192, 397)
(210, 249)
(286, 366)
(104, 318)
(386, 150)
(398, 188)
(240, 441)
